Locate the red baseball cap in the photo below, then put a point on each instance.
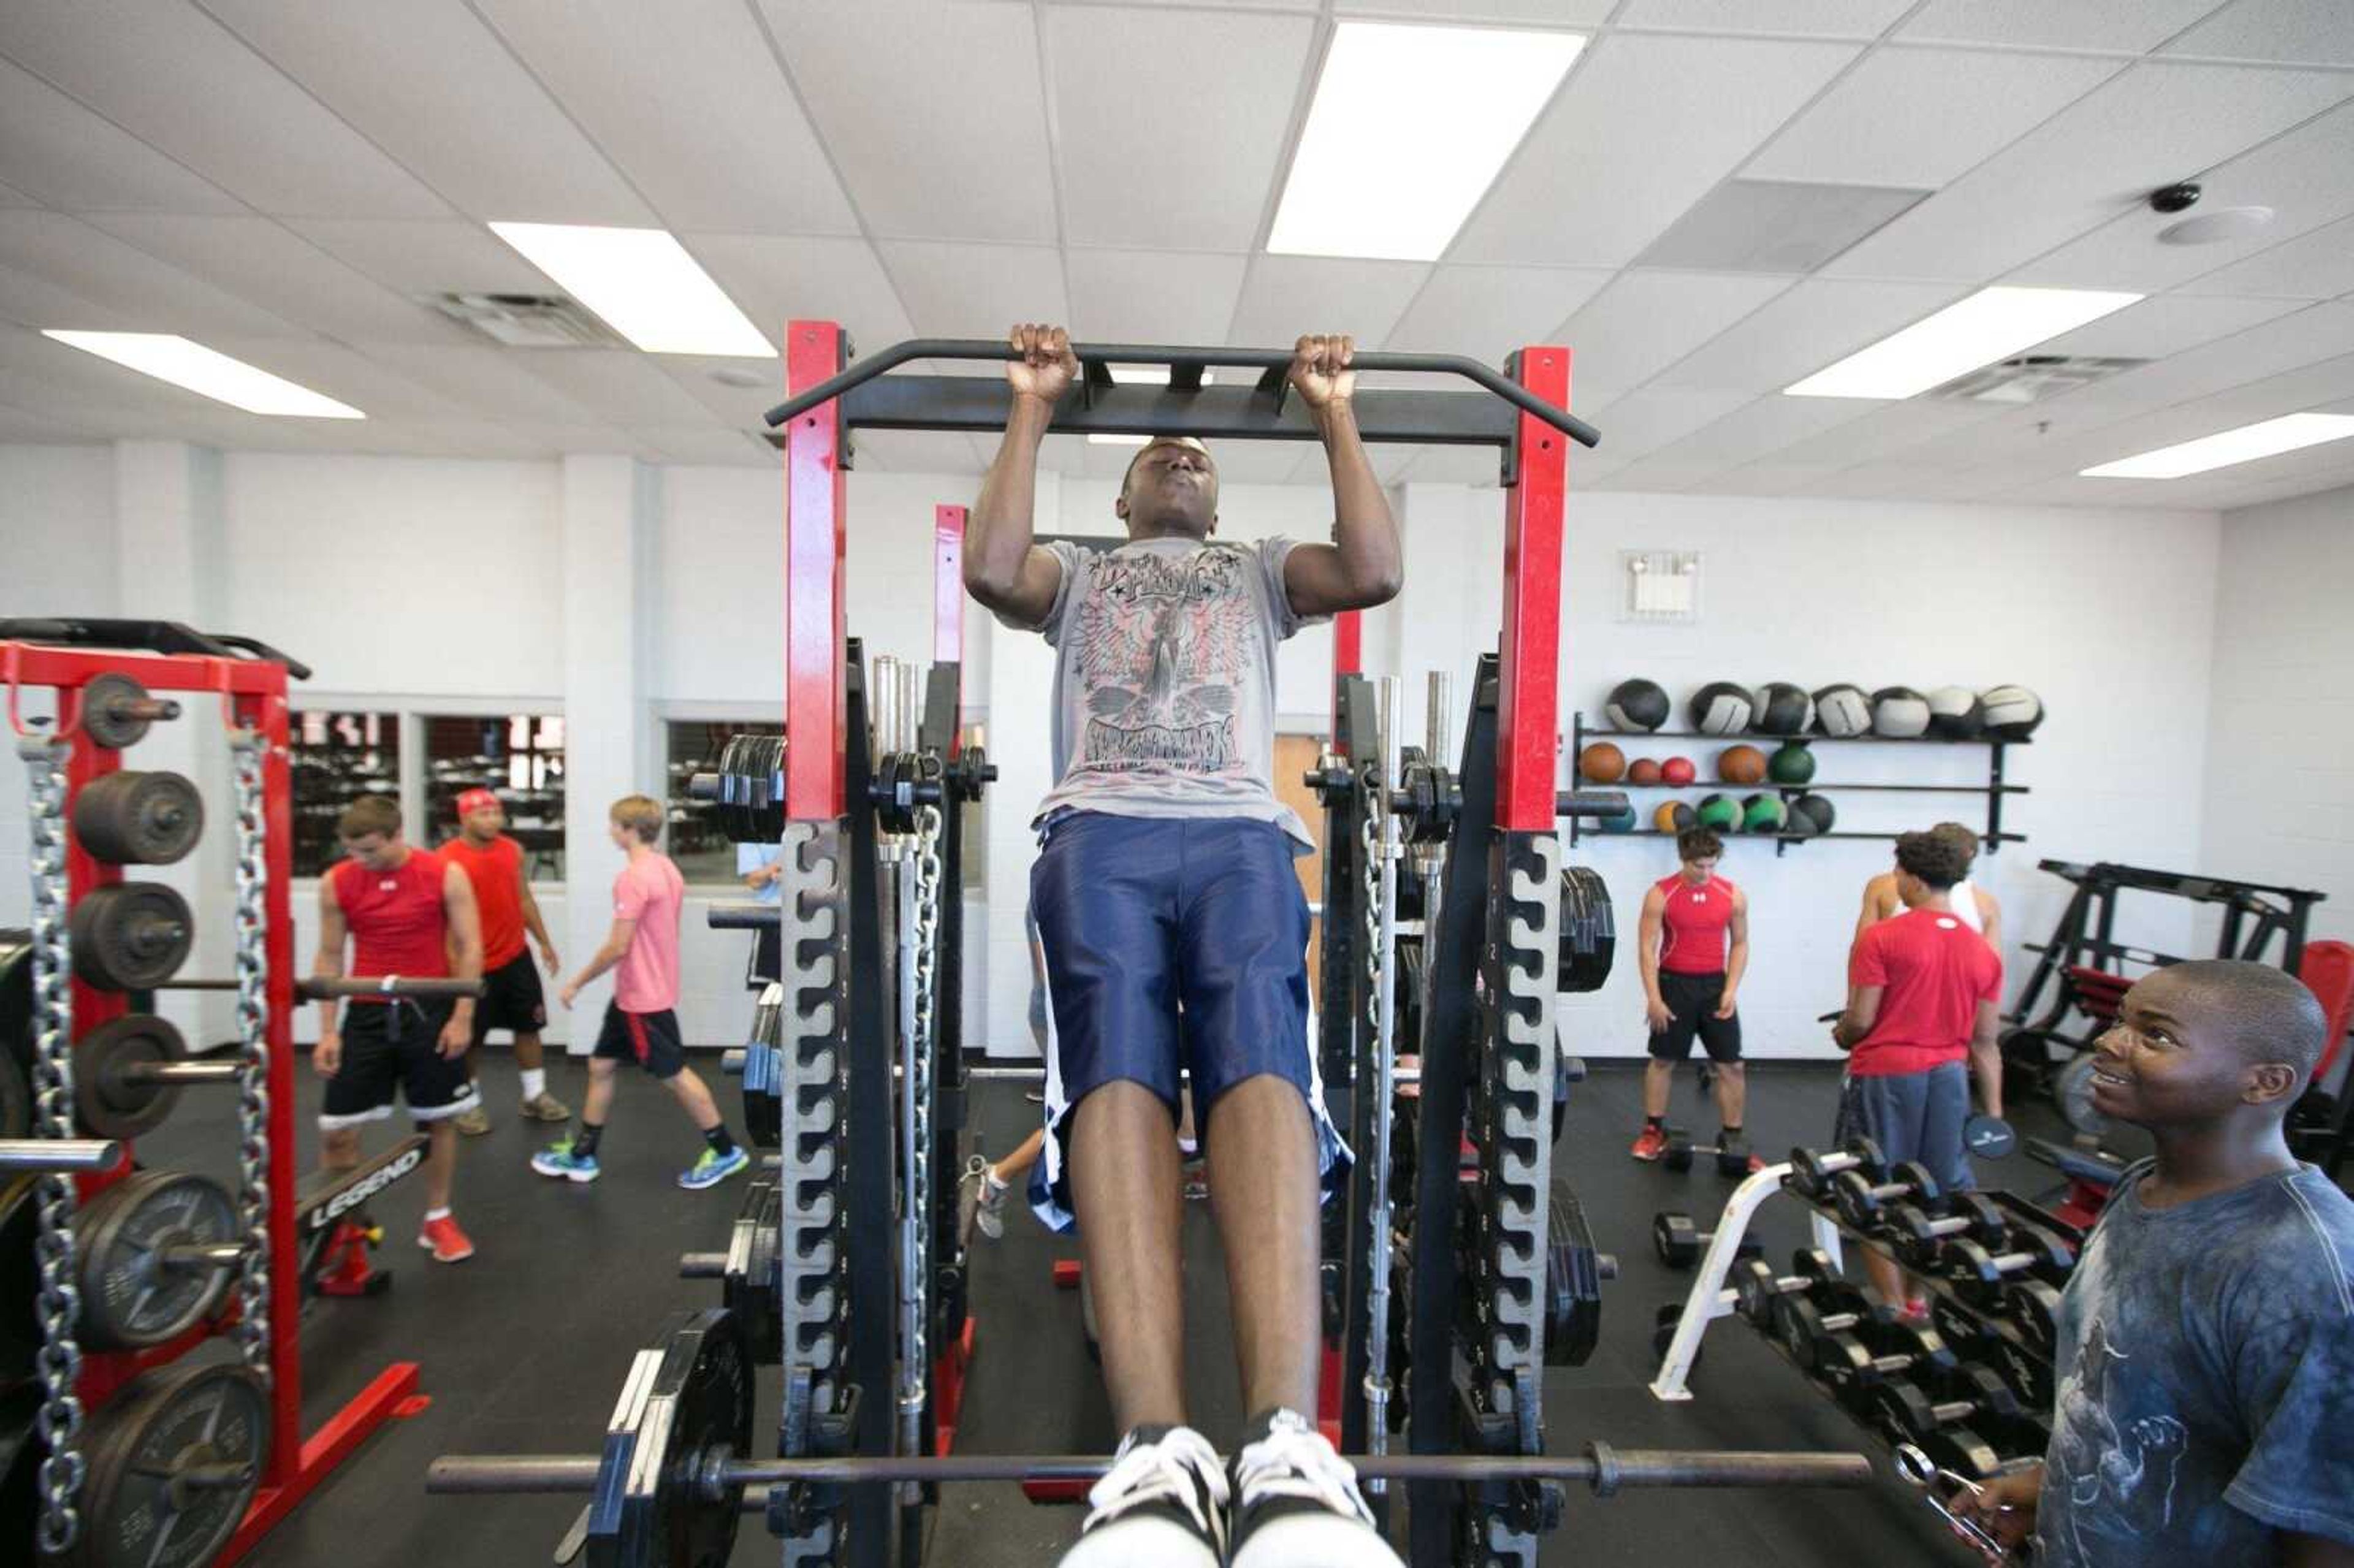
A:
(475, 801)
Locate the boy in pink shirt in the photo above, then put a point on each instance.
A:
(640, 1023)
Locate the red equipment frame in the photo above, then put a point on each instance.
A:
(252, 693)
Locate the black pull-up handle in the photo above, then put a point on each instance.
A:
(982, 348)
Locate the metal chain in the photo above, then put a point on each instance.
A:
(60, 1358)
(915, 1354)
(251, 750)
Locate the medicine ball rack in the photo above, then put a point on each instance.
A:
(1995, 789)
(200, 1459)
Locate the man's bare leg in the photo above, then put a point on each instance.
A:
(1124, 1189)
(1659, 1082)
(440, 1162)
(1263, 1189)
(1732, 1093)
(339, 1149)
(693, 1096)
(527, 1053)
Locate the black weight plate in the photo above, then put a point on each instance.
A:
(133, 935)
(20, 1277)
(139, 1510)
(106, 1102)
(133, 818)
(1588, 933)
(761, 1083)
(98, 695)
(749, 1288)
(17, 995)
(131, 1295)
(1572, 1282)
(16, 1097)
(698, 1402)
(20, 1460)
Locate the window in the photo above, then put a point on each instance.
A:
(335, 758)
(520, 757)
(701, 849)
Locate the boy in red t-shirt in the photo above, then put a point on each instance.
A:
(1924, 995)
(1692, 949)
(511, 994)
(640, 1023)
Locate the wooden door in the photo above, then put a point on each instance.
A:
(1295, 756)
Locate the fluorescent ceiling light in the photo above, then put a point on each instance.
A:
(1117, 440)
(1408, 129)
(2266, 438)
(169, 357)
(1151, 375)
(1991, 325)
(643, 284)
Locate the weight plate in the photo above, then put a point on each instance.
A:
(131, 818)
(17, 997)
(98, 696)
(1572, 1282)
(133, 935)
(16, 1097)
(2072, 1086)
(20, 1277)
(174, 1458)
(764, 1105)
(1588, 933)
(133, 1293)
(20, 1457)
(649, 1505)
(106, 1102)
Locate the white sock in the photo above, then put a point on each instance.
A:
(996, 1183)
(534, 1082)
(433, 1214)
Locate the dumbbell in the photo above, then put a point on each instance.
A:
(1981, 1275)
(1859, 1199)
(1903, 1409)
(1808, 1318)
(1851, 1368)
(2033, 1307)
(1811, 1169)
(1732, 1155)
(1758, 1288)
(1663, 1332)
(1963, 1451)
(1680, 1243)
(1918, 1234)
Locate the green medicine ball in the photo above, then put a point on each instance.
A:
(1721, 811)
(1763, 814)
(1791, 764)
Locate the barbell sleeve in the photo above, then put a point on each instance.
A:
(75, 1156)
(321, 988)
(745, 916)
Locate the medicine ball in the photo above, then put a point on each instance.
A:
(1783, 709)
(1673, 817)
(1602, 762)
(1678, 772)
(1899, 713)
(1720, 812)
(1741, 765)
(1622, 822)
(1763, 814)
(1643, 771)
(1639, 704)
(1721, 708)
(2012, 712)
(1842, 710)
(1956, 713)
(1792, 762)
(1812, 814)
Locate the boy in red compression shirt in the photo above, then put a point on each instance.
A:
(1694, 946)
(512, 999)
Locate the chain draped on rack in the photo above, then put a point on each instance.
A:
(251, 750)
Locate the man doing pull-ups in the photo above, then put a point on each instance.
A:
(1164, 880)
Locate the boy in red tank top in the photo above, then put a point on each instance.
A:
(1694, 947)
(408, 913)
(512, 999)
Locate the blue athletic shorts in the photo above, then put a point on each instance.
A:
(1140, 917)
(1912, 1115)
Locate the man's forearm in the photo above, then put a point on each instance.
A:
(465, 964)
(1986, 1065)
(327, 965)
(532, 923)
(998, 534)
(1736, 964)
(605, 959)
(1364, 531)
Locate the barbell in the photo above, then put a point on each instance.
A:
(67, 1155)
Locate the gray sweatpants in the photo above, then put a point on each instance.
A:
(1912, 1115)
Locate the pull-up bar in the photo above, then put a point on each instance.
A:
(961, 403)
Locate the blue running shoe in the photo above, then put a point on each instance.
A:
(558, 1160)
(711, 1170)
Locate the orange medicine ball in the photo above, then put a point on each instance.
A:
(1741, 765)
(1643, 771)
(1604, 763)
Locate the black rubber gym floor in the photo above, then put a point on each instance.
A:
(524, 1347)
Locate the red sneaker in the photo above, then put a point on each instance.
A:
(1756, 1163)
(1651, 1144)
(445, 1241)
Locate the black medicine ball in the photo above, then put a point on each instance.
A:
(1783, 709)
(1720, 708)
(1812, 814)
(1637, 705)
(2013, 712)
(1842, 710)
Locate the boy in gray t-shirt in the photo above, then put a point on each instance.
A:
(2205, 1353)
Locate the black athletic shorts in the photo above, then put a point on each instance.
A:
(511, 1000)
(390, 1045)
(1691, 1001)
(648, 1039)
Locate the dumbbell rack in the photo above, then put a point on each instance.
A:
(253, 694)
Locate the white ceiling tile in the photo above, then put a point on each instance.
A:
(36, 302)
(1662, 476)
(60, 153)
(1288, 295)
(687, 99)
(919, 451)
(176, 79)
(1797, 333)
(1769, 479)
(778, 278)
(2165, 325)
(975, 290)
(25, 426)
(11, 196)
(1480, 467)
(260, 260)
(734, 449)
(1845, 19)
(1642, 422)
(1761, 429)
(2316, 266)
(946, 140)
(490, 382)
(620, 386)
(2291, 32)
(430, 84)
(415, 257)
(2284, 344)
(1489, 312)
(151, 295)
(1645, 322)
(738, 408)
(1191, 168)
(1924, 117)
(1524, 13)
(41, 374)
(1644, 126)
(2087, 165)
(2128, 26)
(1153, 296)
(1239, 462)
(1889, 428)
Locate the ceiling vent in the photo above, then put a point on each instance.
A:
(2032, 378)
(528, 321)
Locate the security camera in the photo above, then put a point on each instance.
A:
(2174, 198)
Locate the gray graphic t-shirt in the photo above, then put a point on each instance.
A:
(1164, 695)
(2206, 1378)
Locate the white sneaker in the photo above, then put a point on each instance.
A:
(1297, 1504)
(1163, 1504)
